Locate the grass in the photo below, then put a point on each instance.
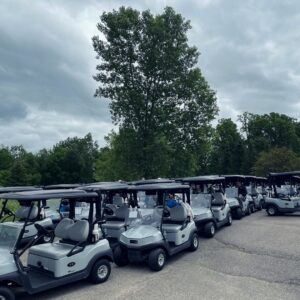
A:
(13, 205)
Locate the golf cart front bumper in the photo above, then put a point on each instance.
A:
(138, 254)
(13, 277)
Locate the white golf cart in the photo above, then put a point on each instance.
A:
(210, 208)
(115, 208)
(42, 213)
(237, 196)
(155, 230)
(78, 252)
(256, 188)
(284, 197)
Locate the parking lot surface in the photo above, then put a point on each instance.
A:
(257, 257)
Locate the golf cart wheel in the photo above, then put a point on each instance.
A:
(6, 293)
(260, 205)
(252, 209)
(272, 210)
(194, 242)
(229, 219)
(157, 259)
(101, 271)
(239, 213)
(120, 257)
(209, 229)
(248, 211)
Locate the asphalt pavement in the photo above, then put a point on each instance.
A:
(257, 257)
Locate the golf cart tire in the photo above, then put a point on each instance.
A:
(260, 205)
(238, 213)
(208, 230)
(252, 209)
(272, 210)
(194, 245)
(153, 259)
(229, 219)
(6, 293)
(248, 211)
(120, 257)
(101, 265)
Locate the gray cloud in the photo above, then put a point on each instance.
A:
(249, 54)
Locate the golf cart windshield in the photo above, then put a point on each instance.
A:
(147, 212)
(8, 236)
(200, 200)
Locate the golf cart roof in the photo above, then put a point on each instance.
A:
(261, 178)
(285, 174)
(49, 194)
(203, 179)
(112, 186)
(281, 178)
(152, 181)
(173, 186)
(9, 189)
(62, 186)
(233, 178)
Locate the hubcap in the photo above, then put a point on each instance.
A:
(102, 271)
(272, 211)
(2, 297)
(212, 229)
(195, 242)
(161, 259)
(230, 219)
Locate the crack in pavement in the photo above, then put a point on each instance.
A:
(260, 253)
(292, 281)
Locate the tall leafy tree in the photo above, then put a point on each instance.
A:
(228, 149)
(276, 160)
(264, 132)
(69, 161)
(148, 72)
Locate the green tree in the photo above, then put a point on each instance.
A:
(276, 160)
(148, 71)
(264, 132)
(228, 149)
(69, 161)
(6, 162)
(24, 168)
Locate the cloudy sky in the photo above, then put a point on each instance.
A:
(250, 54)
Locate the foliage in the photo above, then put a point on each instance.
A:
(228, 149)
(276, 160)
(158, 95)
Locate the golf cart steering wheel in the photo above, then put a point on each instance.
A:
(8, 211)
(41, 230)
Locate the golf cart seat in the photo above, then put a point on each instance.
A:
(23, 211)
(178, 215)
(115, 225)
(69, 232)
(218, 201)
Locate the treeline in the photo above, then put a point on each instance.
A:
(263, 143)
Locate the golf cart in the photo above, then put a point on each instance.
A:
(284, 197)
(78, 252)
(237, 196)
(156, 231)
(43, 214)
(210, 209)
(115, 208)
(7, 213)
(256, 189)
